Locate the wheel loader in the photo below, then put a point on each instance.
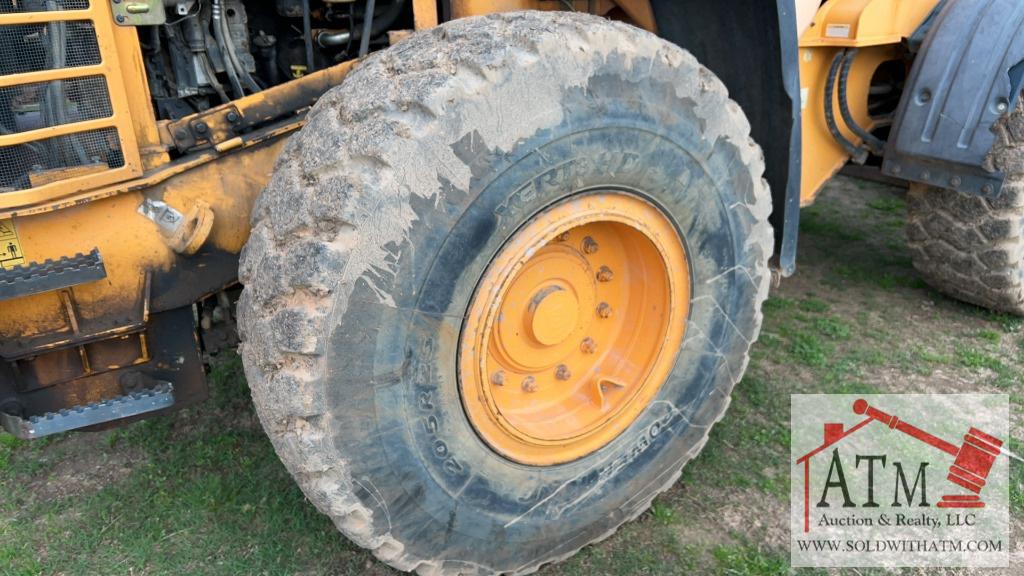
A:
(493, 267)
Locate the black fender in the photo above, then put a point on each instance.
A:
(753, 47)
(965, 78)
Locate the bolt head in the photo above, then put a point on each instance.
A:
(232, 116)
(896, 169)
(120, 19)
(1001, 107)
(563, 373)
(498, 378)
(604, 310)
(562, 237)
(181, 134)
(588, 346)
(589, 245)
(955, 181)
(201, 127)
(529, 384)
(604, 274)
(986, 189)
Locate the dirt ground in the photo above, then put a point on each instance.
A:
(201, 492)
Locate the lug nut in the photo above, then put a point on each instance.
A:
(562, 237)
(604, 274)
(563, 373)
(588, 346)
(529, 384)
(498, 378)
(589, 245)
(604, 310)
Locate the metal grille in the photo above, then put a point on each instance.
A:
(48, 46)
(65, 124)
(31, 106)
(19, 6)
(43, 161)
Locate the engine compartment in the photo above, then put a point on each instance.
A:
(213, 51)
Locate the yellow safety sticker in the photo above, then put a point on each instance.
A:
(10, 246)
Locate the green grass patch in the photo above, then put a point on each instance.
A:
(814, 305)
(974, 358)
(776, 304)
(810, 350)
(888, 204)
(663, 513)
(814, 222)
(749, 560)
(833, 327)
(990, 336)
(638, 548)
(1016, 478)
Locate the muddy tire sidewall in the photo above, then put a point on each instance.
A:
(424, 446)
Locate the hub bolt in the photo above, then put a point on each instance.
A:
(604, 310)
(563, 373)
(562, 237)
(498, 378)
(604, 274)
(529, 384)
(589, 245)
(588, 346)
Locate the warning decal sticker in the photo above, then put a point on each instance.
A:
(10, 246)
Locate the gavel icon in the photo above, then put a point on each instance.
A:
(973, 460)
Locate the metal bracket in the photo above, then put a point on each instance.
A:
(138, 12)
(207, 128)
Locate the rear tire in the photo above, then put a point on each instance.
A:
(384, 212)
(970, 247)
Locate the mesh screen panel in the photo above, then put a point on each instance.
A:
(16, 6)
(31, 106)
(26, 165)
(49, 46)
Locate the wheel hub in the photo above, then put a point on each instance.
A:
(574, 327)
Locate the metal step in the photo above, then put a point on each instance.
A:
(157, 398)
(49, 275)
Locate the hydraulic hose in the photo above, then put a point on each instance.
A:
(307, 36)
(364, 42)
(218, 36)
(232, 54)
(859, 155)
(873, 143)
(382, 22)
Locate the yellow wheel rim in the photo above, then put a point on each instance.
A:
(574, 328)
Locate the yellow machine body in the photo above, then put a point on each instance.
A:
(93, 328)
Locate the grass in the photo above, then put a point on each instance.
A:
(210, 499)
(202, 491)
(750, 560)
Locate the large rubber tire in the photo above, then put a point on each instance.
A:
(383, 213)
(971, 247)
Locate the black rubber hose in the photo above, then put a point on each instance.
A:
(859, 155)
(383, 22)
(364, 42)
(307, 36)
(873, 143)
(218, 36)
(232, 58)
